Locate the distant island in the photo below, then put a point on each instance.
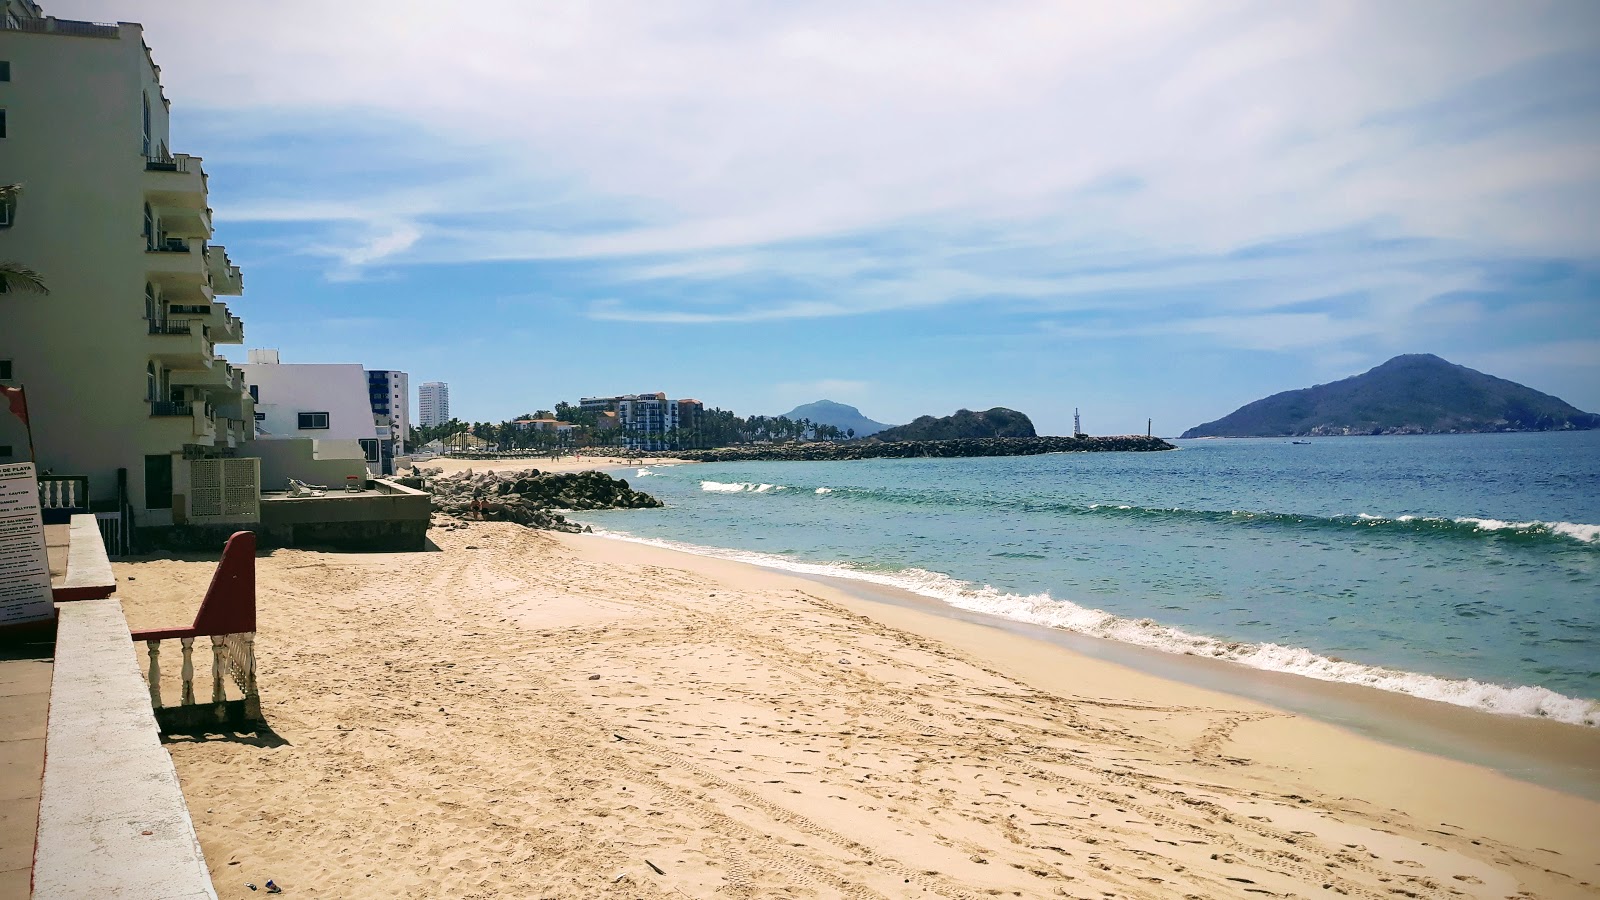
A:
(947, 449)
(841, 416)
(1416, 393)
(993, 432)
(965, 424)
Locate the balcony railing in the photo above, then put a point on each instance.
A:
(170, 245)
(171, 408)
(167, 163)
(172, 326)
(179, 309)
(62, 496)
(53, 25)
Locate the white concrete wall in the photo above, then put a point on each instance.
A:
(314, 462)
(286, 390)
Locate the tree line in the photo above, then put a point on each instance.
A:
(714, 427)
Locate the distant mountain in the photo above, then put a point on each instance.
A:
(1417, 393)
(997, 422)
(840, 416)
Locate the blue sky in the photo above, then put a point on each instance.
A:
(1157, 210)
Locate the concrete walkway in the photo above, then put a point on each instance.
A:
(25, 672)
(112, 818)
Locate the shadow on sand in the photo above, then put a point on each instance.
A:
(261, 735)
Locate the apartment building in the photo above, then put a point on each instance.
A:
(433, 404)
(119, 360)
(648, 421)
(390, 395)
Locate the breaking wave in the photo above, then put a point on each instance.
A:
(739, 487)
(1042, 609)
(1467, 527)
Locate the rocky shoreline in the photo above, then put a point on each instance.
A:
(996, 446)
(529, 497)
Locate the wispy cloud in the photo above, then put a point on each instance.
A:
(1200, 169)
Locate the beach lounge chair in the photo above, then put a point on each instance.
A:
(298, 488)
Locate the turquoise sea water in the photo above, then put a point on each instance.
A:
(1461, 568)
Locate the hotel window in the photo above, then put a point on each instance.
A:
(5, 451)
(313, 420)
(5, 70)
(2, 123)
(5, 370)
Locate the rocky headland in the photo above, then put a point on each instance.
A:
(528, 497)
(965, 424)
(993, 446)
(1412, 394)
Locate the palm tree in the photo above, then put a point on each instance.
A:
(16, 278)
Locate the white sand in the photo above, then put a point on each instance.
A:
(439, 731)
(579, 463)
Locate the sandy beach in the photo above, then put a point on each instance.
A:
(580, 463)
(524, 714)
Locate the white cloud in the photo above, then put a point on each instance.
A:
(712, 139)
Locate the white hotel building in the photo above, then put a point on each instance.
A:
(119, 360)
(433, 404)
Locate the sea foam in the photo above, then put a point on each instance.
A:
(737, 487)
(1042, 609)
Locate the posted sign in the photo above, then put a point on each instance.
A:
(24, 568)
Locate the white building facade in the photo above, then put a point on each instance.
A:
(119, 361)
(389, 392)
(433, 404)
(326, 404)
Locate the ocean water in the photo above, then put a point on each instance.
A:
(1461, 568)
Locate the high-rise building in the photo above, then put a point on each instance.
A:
(119, 362)
(433, 404)
(390, 393)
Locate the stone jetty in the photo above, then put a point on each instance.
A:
(996, 446)
(528, 497)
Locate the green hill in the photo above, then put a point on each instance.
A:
(1413, 394)
(840, 416)
(997, 422)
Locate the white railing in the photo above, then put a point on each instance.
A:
(64, 492)
(232, 655)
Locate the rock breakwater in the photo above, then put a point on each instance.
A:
(996, 446)
(528, 497)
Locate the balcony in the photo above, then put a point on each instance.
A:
(222, 326)
(226, 279)
(53, 25)
(217, 378)
(184, 221)
(186, 420)
(180, 343)
(176, 181)
(176, 263)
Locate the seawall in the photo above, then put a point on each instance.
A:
(996, 446)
